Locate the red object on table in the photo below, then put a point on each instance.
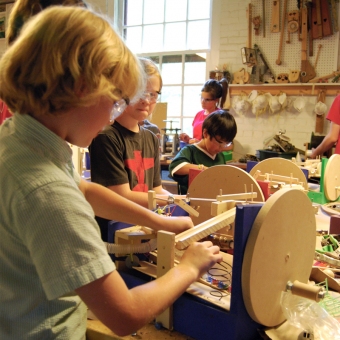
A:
(192, 174)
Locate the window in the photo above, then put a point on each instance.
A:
(176, 35)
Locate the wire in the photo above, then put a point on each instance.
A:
(220, 277)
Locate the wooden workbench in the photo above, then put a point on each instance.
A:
(97, 331)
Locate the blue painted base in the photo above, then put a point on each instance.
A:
(202, 320)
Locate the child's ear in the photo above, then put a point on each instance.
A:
(205, 133)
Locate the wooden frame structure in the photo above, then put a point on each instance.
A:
(202, 320)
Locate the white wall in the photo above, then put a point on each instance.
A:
(251, 130)
(230, 31)
(229, 36)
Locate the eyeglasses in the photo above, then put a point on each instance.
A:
(118, 108)
(150, 96)
(223, 144)
(207, 100)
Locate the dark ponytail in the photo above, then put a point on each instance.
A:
(217, 89)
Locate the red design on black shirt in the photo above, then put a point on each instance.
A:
(139, 165)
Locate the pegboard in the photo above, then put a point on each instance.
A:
(269, 42)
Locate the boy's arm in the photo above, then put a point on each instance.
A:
(125, 311)
(184, 161)
(139, 197)
(330, 139)
(110, 205)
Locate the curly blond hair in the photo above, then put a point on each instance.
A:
(67, 57)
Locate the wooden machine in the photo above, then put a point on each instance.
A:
(275, 173)
(329, 191)
(273, 249)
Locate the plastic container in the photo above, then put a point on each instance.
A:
(264, 154)
(228, 156)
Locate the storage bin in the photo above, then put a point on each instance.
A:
(228, 156)
(264, 154)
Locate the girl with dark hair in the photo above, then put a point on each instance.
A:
(213, 96)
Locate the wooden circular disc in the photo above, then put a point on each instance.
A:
(280, 248)
(331, 178)
(293, 26)
(226, 178)
(280, 166)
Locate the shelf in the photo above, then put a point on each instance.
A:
(290, 89)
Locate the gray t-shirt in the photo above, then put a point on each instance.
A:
(50, 243)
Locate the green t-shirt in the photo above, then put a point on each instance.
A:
(192, 154)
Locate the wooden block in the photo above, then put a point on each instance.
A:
(334, 226)
(152, 200)
(192, 174)
(275, 20)
(165, 261)
(159, 115)
(265, 188)
(319, 122)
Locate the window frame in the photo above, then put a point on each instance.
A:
(212, 51)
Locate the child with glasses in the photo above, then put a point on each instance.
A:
(125, 157)
(213, 95)
(218, 131)
(68, 75)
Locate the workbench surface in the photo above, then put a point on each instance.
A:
(97, 331)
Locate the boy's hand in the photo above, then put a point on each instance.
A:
(193, 141)
(201, 256)
(184, 137)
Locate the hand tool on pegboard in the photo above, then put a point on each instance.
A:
(264, 18)
(275, 19)
(310, 27)
(278, 60)
(307, 70)
(321, 19)
(316, 19)
(334, 16)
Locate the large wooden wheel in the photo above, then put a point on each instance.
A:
(280, 248)
(226, 178)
